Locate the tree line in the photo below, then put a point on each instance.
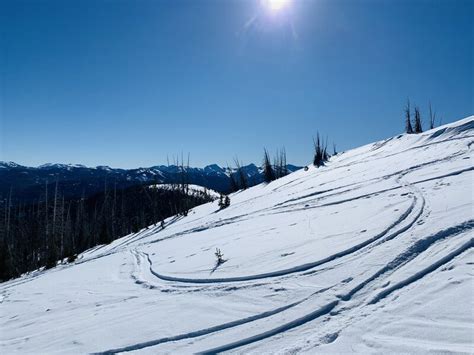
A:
(35, 235)
(413, 121)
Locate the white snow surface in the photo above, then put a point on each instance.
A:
(191, 188)
(372, 253)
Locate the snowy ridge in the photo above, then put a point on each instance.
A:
(371, 253)
(191, 188)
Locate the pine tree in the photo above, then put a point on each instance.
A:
(221, 201)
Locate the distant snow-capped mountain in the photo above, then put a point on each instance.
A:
(75, 180)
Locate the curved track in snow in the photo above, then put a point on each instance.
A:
(306, 266)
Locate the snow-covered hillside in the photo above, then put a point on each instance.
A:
(371, 253)
(191, 188)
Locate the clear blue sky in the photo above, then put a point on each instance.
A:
(126, 83)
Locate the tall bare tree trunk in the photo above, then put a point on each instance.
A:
(54, 207)
(62, 228)
(46, 210)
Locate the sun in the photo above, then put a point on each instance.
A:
(275, 5)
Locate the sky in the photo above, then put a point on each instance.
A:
(130, 83)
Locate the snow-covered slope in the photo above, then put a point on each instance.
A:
(371, 253)
(192, 189)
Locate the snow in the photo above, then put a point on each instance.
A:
(191, 188)
(8, 164)
(372, 253)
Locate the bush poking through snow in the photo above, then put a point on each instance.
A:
(219, 257)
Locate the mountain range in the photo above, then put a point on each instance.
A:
(30, 183)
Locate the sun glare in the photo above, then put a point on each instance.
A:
(275, 5)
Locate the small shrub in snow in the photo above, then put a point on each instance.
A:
(219, 257)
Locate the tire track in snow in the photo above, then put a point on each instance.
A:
(299, 268)
(404, 172)
(210, 330)
(394, 234)
(421, 146)
(412, 252)
(140, 258)
(454, 173)
(243, 217)
(282, 328)
(422, 273)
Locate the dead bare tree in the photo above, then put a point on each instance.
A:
(432, 117)
(234, 186)
(320, 151)
(418, 125)
(408, 126)
(54, 207)
(241, 174)
(268, 172)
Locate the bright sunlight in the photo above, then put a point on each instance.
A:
(275, 5)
